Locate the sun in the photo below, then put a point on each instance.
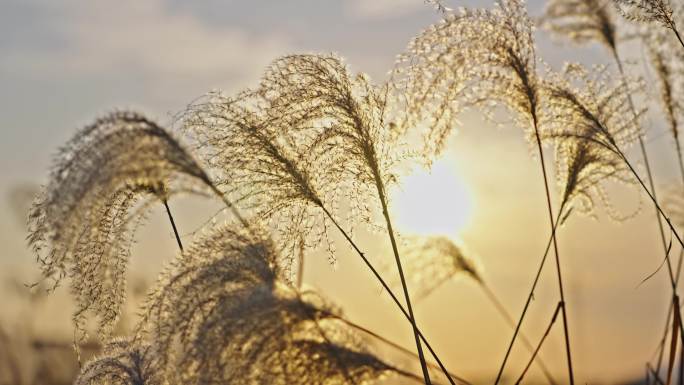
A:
(435, 201)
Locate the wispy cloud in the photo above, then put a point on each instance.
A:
(144, 38)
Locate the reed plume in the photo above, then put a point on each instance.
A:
(434, 260)
(262, 159)
(477, 57)
(358, 133)
(82, 224)
(607, 24)
(665, 61)
(665, 64)
(314, 134)
(582, 21)
(223, 314)
(648, 11)
(122, 362)
(587, 116)
(484, 58)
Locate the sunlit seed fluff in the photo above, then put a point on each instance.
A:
(222, 315)
(121, 362)
(353, 116)
(475, 57)
(263, 149)
(582, 21)
(591, 121)
(647, 11)
(82, 224)
(309, 135)
(431, 261)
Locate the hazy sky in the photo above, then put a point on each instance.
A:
(65, 62)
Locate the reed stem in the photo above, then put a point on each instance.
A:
(395, 250)
(530, 295)
(387, 288)
(173, 225)
(536, 351)
(571, 376)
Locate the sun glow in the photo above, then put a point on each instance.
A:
(433, 202)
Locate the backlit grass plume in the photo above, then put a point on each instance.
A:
(476, 57)
(312, 128)
(434, 260)
(261, 153)
(484, 58)
(649, 11)
(431, 261)
(82, 224)
(582, 21)
(591, 122)
(358, 133)
(222, 314)
(122, 362)
(665, 61)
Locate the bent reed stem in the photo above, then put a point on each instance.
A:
(530, 295)
(387, 288)
(571, 376)
(395, 250)
(390, 343)
(173, 224)
(541, 342)
(511, 322)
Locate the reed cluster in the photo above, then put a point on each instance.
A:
(312, 150)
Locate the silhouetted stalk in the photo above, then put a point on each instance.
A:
(509, 320)
(536, 351)
(390, 343)
(381, 194)
(555, 249)
(173, 224)
(678, 36)
(530, 295)
(656, 378)
(679, 262)
(652, 192)
(649, 174)
(387, 288)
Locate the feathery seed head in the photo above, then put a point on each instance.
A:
(591, 121)
(582, 21)
(472, 58)
(430, 261)
(647, 11)
(222, 314)
(81, 225)
(122, 362)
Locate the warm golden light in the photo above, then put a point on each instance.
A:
(433, 201)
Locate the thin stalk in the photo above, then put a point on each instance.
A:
(649, 174)
(652, 192)
(678, 148)
(571, 376)
(530, 295)
(546, 333)
(390, 232)
(173, 224)
(390, 343)
(507, 316)
(674, 29)
(659, 211)
(246, 224)
(387, 289)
